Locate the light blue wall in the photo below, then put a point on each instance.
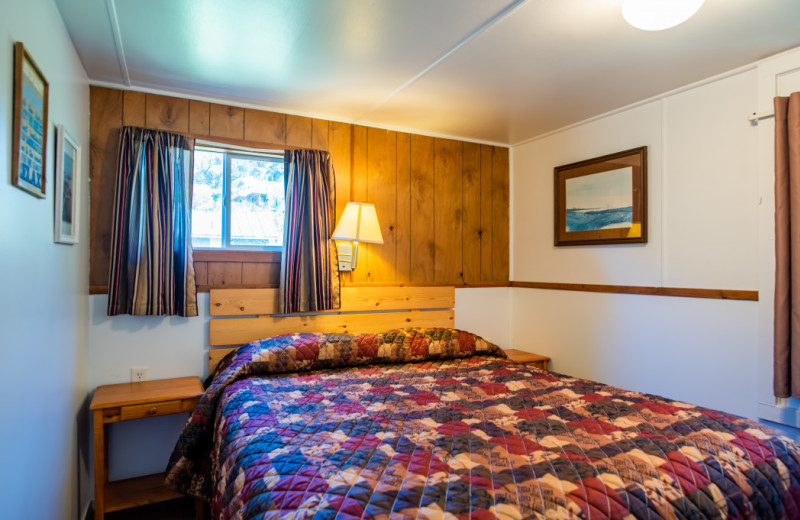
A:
(43, 292)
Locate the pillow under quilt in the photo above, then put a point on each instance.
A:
(311, 351)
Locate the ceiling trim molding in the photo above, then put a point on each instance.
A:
(113, 20)
(493, 20)
(730, 73)
(242, 104)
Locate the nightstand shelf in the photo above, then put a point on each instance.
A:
(527, 358)
(126, 401)
(139, 491)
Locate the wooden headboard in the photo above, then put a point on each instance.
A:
(252, 314)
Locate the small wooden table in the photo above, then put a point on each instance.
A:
(520, 356)
(122, 402)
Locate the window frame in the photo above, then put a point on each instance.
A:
(230, 152)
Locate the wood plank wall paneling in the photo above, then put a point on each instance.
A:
(226, 122)
(199, 117)
(422, 209)
(105, 120)
(448, 226)
(358, 193)
(298, 131)
(215, 268)
(471, 204)
(339, 135)
(487, 214)
(133, 108)
(382, 191)
(500, 196)
(320, 134)
(442, 204)
(264, 127)
(402, 271)
(166, 113)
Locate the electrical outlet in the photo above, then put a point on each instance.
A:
(138, 374)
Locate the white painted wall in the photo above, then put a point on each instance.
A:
(44, 308)
(703, 232)
(778, 76)
(689, 349)
(169, 346)
(486, 312)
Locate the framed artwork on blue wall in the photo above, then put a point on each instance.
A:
(29, 129)
(602, 200)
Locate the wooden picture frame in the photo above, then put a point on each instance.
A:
(67, 188)
(29, 128)
(602, 200)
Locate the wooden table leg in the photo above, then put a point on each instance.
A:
(199, 509)
(99, 465)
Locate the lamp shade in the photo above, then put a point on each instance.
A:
(359, 223)
(657, 15)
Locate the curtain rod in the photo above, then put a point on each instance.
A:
(754, 118)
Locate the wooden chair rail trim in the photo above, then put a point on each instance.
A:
(718, 294)
(471, 285)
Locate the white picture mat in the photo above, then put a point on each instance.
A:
(67, 188)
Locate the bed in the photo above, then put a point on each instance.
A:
(431, 422)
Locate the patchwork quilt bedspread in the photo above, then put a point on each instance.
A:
(438, 424)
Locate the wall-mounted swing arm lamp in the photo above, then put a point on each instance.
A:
(358, 223)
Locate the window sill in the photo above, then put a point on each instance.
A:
(228, 255)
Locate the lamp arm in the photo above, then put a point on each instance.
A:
(355, 254)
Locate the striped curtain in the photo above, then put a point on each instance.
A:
(309, 269)
(152, 272)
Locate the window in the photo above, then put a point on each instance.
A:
(238, 200)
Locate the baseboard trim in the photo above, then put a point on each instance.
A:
(785, 415)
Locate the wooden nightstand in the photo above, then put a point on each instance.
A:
(122, 402)
(520, 356)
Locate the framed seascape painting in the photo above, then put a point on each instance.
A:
(67, 181)
(602, 200)
(29, 133)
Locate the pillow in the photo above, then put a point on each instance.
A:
(308, 351)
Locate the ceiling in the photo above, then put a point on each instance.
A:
(497, 71)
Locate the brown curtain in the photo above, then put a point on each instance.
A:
(309, 270)
(787, 246)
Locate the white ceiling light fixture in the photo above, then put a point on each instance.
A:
(657, 15)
